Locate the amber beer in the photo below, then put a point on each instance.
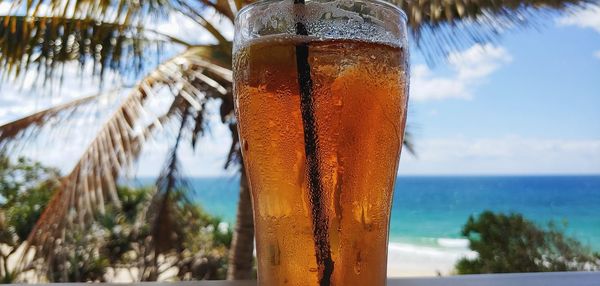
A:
(322, 220)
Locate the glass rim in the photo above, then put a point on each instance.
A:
(386, 4)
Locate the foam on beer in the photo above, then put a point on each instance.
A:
(328, 20)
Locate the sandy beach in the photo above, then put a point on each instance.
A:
(405, 259)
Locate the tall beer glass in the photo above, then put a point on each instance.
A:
(321, 90)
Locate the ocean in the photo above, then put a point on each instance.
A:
(428, 211)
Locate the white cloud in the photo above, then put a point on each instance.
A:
(16, 111)
(469, 68)
(27, 94)
(588, 17)
(425, 86)
(479, 61)
(4, 7)
(503, 155)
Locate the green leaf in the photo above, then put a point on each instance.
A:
(122, 11)
(45, 44)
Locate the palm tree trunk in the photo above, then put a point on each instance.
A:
(241, 258)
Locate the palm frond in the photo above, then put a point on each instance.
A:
(441, 26)
(199, 125)
(44, 44)
(123, 11)
(234, 156)
(117, 145)
(18, 130)
(165, 231)
(409, 142)
(195, 15)
(224, 7)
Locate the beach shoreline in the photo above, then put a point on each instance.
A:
(434, 259)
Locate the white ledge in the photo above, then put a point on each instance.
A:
(514, 279)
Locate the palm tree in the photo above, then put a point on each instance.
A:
(42, 37)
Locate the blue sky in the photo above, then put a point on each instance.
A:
(528, 103)
(533, 107)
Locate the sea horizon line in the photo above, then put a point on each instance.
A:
(481, 175)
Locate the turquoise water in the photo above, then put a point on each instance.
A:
(437, 207)
(428, 210)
